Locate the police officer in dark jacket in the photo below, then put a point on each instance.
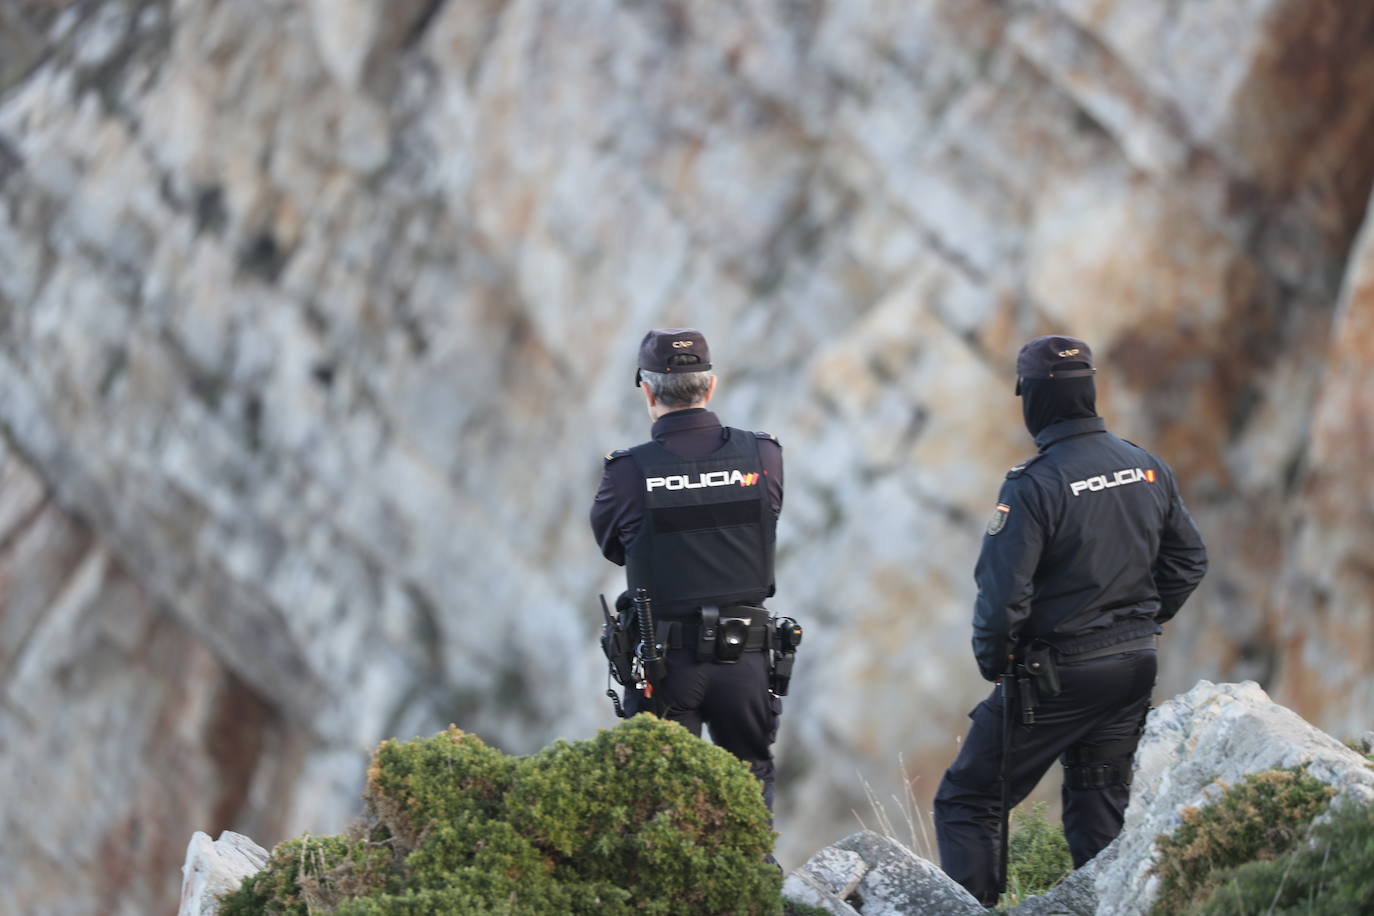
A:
(1089, 550)
(691, 516)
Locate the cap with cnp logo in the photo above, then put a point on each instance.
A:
(1053, 356)
(673, 350)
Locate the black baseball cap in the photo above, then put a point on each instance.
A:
(1054, 356)
(673, 350)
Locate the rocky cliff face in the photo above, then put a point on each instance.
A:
(117, 723)
(1326, 600)
(317, 318)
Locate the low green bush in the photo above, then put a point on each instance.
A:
(451, 778)
(1330, 876)
(643, 818)
(1261, 818)
(1037, 855)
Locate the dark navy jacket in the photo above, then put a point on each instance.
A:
(1090, 545)
(618, 509)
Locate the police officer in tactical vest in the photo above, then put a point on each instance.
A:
(691, 516)
(1088, 552)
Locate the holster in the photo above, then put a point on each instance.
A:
(618, 644)
(780, 672)
(787, 636)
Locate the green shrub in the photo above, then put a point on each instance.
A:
(1037, 855)
(1331, 876)
(450, 778)
(643, 818)
(1261, 818)
(654, 810)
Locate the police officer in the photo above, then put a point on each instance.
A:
(1089, 550)
(691, 516)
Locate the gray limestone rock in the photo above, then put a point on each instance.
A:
(803, 887)
(874, 875)
(1076, 895)
(827, 879)
(214, 867)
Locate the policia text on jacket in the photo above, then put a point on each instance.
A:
(1088, 552)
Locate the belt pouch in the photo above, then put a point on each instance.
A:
(706, 633)
(1040, 665)
(732, 638)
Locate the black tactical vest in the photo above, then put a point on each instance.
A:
(707, 533)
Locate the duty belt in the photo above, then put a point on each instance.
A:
(1130, 645)
(685, 633)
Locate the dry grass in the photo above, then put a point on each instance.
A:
(912, 828)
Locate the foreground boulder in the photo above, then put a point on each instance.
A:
(1214, 734)
(1194, 745)
(214, 867)
(868, 873)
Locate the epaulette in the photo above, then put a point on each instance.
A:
(1021, 468)
(618, 453)
(769, 436)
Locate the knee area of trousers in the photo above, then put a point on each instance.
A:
(953, 792)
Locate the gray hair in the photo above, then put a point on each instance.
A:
(677, 389)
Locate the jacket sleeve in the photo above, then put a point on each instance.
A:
(618, 508)
(1005, 573)
(1182, 559)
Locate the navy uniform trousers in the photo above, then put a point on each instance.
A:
(1102, 702)
(733, 701)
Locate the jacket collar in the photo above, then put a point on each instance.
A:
(1067, 429)
(680, 420)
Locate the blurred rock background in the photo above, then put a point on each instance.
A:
(317, 316)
